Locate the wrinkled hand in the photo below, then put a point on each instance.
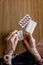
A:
(30, 43)
(11, 43)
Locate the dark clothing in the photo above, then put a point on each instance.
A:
(25, 58)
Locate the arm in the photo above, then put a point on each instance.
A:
(11, 43)
(29, 41)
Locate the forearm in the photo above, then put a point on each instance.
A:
(8, 55)
(36, 54)
(33, 50)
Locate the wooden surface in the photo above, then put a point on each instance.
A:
(11, 12)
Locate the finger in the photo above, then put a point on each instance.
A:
(32, 41)
(26, 44)
(25, 41)
(14, 32)
(10, 35)
(14, 38)
(32, 37)
(29, 38)
(14, 41)
(26, 35)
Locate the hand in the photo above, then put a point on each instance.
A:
(11, 41)
(30, 43)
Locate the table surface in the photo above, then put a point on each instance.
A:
(12, 11)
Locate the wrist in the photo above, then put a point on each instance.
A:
(7, 59)
(36, 54)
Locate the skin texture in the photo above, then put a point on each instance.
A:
(11, 43)
(29, 41)
(30, 44)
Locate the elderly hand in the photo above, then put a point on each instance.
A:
(11, 43)
(30, 43)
